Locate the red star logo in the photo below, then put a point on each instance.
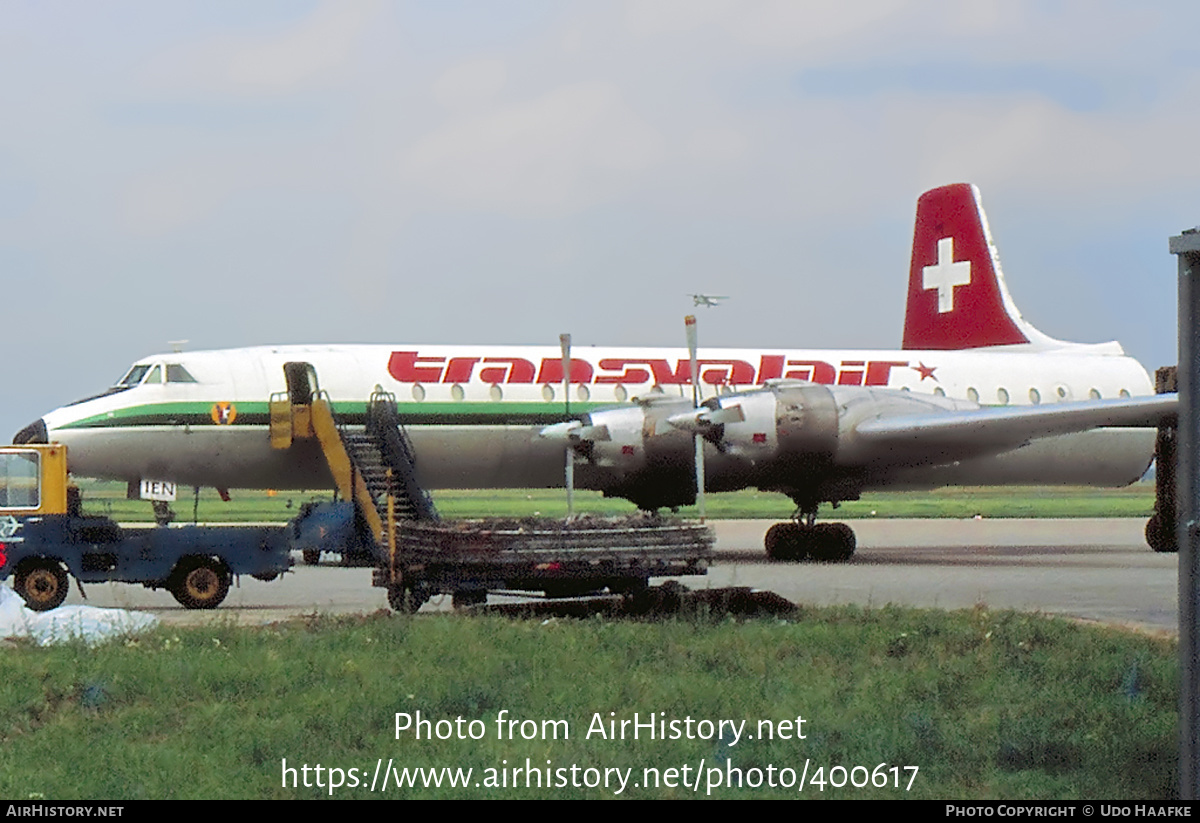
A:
(926, 371)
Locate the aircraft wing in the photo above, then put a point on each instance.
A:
(967, 433)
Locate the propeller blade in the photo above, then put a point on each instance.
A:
(698, 421)
(560, 431)
(592, 434)
(725, 414)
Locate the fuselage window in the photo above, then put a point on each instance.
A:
(178, 374)
(1094, 394)
(458, 393)
(620, 393)
(1035, 396)
(547, 392)
(1124, 392)
(939, 392)
(1002, 396)
(583, 393)
(496, 392)
(973, 395)
(418, 392)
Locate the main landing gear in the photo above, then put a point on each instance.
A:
(805, 539)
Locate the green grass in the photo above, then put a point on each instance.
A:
(1133, 501)
(985, 704)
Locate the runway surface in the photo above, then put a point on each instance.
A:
(1095, 569)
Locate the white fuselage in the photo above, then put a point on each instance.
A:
(474, 412)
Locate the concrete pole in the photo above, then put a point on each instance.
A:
(564, 341)
(1187, 247)
(689, 324)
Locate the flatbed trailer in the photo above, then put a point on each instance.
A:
(557, 558)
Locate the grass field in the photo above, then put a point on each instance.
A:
(896, 703)
(1133, 501)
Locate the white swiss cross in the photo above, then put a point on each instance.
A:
(946, 274)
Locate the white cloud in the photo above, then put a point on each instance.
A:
(781, 26)
(165, 200)
(470, 83)
(562, 150)
(717, 146)
(316, 47)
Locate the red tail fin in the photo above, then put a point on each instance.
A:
(956, 293)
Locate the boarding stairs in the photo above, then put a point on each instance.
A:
(383, 455)
(374, 465)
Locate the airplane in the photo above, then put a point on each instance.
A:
(707, 299)
(975, 396)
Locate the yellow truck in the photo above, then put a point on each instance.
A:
(45, 539)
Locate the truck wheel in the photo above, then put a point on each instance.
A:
(42, 583)
(200, 582)
(406, 600)
(463, 598)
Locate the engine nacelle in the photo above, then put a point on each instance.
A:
(787, 439)
(801, 438)
(790, 436)
(643, 458)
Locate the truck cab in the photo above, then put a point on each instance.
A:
(33, 480)
(45, 539)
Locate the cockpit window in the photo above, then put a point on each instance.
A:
(178, 374)
(155, 375)
(135, 376)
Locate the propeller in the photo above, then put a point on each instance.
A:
(708, 421)
(574, 433)
(704, 419)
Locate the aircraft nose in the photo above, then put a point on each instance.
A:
(35, 432)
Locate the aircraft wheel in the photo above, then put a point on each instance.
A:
(200, 582)
(787, 541)
(775, 539)
(833, 542)
(42, 583)
(1158, 537)
(311, 557)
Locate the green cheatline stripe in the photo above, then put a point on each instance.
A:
(411, 414)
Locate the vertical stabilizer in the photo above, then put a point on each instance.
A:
(957, 298)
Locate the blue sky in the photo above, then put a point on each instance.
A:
(365, 171)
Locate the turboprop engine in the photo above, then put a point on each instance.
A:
(633, 452)
(793, 437)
